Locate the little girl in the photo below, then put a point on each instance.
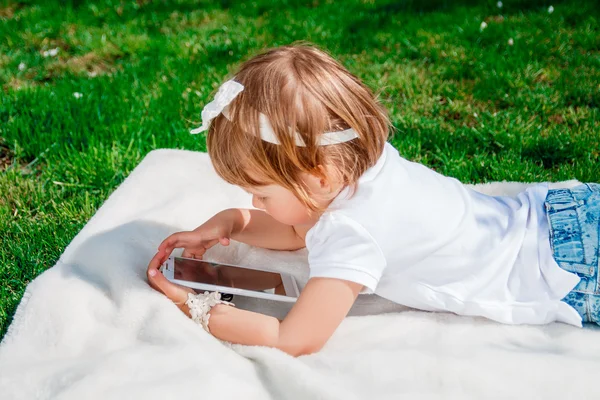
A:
(308, 140)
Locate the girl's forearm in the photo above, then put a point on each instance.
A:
(243, 327)
(239, 326)
(253, 329)
(257, 228)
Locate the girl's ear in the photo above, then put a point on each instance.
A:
(319, 179)
(315, 183)
(325, 180)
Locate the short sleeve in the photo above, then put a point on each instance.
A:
(339, 247)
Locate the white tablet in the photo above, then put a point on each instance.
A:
(232, 279)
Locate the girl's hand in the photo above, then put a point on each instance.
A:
(218, 229)
(178, 294)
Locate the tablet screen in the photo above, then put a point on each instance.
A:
(228, 276)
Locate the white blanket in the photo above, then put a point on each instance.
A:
(92, 328)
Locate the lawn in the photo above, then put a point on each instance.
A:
(476, 91)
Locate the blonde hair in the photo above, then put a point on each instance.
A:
(303, 88)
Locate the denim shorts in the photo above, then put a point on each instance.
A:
(574, 219)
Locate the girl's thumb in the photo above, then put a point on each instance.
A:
(224, 241)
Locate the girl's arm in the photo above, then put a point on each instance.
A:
(253, 227)
(259, 229)
(321, 307)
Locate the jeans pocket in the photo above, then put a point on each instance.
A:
(565, 235)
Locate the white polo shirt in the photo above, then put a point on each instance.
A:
(426, 241)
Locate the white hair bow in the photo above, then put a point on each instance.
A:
(229, 91)
(225, 95)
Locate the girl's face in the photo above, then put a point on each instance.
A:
(281, 204)
(284, 206)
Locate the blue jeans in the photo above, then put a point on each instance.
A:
(574, 219)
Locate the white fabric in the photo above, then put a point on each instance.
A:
(229, 91)
(427, 241)
(91, 328)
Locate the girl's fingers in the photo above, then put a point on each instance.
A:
(194, 253)
(187, 240)
(176, 240)
(176, 293)
(156, 262)
(188, 254)
(210, 244)
(200, 252)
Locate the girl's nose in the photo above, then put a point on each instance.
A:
(257, 203)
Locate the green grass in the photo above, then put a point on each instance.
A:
(463, 100)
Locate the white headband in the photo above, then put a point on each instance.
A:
(230, 89)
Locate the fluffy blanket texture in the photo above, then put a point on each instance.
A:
(91, 328)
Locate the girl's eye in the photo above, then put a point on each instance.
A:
(262, 198)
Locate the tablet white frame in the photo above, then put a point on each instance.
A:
(289, 282)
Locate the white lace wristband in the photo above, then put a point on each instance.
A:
(201, 304)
